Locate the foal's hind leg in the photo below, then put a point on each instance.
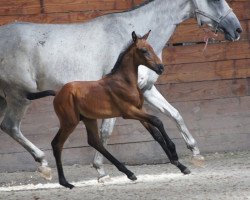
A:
(11, 125)
(57, 145)
(105, 132)
(94, 141)
(3, 107)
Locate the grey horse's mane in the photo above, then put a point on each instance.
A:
(134, 7)
(140, 5)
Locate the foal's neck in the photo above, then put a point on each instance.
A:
(128, 69)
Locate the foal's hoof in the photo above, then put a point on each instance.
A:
(198, 160)
(45, 172)
(186, 171)
(67, 185)
(132, 177)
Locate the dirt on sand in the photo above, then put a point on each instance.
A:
(224, 176)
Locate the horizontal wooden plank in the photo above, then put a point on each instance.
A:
(241, 8)
(207, 71)
(20, 7)
(214, 52)
(53, 18)
(51, 6)
(204, 90)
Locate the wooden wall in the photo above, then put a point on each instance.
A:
(210, 89)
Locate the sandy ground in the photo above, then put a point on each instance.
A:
(224, 176)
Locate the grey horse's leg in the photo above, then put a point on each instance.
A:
(105, 132)
(11, 125)
(154, 97)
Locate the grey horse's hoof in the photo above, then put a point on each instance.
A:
(104, 179)
(198, 160)
(45, 172)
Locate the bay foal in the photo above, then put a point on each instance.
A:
(117, 94)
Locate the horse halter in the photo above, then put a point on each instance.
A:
(215, 19)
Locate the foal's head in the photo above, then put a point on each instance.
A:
(145, 55)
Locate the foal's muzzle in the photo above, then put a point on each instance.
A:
(159, 69)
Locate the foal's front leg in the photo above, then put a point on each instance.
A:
(168, 146)
(150, 122)
(154, 97)
(94, 141)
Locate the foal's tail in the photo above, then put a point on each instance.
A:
(38, 95)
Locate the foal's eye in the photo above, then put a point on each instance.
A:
(144, 50)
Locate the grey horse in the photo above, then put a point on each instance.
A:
(37, 57)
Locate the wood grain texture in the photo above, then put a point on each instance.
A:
(54, 18)
(20, 7)
(204, 90)
(51, 6)
(205, 71)
(214, 52)
(241, 8)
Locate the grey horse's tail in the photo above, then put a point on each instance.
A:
(38, 95)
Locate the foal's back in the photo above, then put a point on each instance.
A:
(106, 98)
(84, 98)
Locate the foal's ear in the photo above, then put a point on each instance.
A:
(134, 36)
(145, 37)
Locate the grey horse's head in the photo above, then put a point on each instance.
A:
(218, 15)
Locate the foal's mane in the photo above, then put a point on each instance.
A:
(125, 50)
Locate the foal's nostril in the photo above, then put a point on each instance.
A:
(160, 68)
(239, 30)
